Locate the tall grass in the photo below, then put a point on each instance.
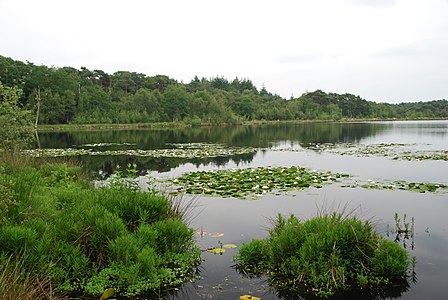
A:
(87, 239)
(16, 284)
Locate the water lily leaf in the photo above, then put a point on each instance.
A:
(107, 294)
(249, 297)
(241, 183)
(421, 187)
(216, 234)
(216, 250)
(198, 150)
(229, 246)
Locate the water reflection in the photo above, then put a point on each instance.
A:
(238, 136)
(393, 292)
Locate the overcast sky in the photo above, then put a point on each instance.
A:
(382, 50)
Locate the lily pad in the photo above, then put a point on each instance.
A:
(249, 297)
(240, 183)
(395, 151)
(216, 250)
(107, 294)
(421, 187)
(198, 150)
(216, 234)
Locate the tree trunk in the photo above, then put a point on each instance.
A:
(38, 107)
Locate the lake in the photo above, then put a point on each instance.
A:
(370, 152)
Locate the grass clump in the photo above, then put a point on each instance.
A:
(71, 237)
(323, 255)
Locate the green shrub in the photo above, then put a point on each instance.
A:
(323, 255)
(69, 266)
(390, 260)
(173, 236)
(7, 201)
(16, 124)
(124, 248)
(59, 174)
(133, 206)
(16, 239)
(253, 256)
(147, 235)
(86, 240)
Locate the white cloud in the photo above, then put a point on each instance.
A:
(373, 2)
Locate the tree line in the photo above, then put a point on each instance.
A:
(82, 96)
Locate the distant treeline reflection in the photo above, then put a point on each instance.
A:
(265, 136)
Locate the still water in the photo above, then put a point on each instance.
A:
(242, 220)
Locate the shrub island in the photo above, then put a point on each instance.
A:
(324, 255)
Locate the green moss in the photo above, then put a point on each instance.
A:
(323, 255)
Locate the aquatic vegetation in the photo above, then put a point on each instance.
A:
(106, 144)
(403, 231)
(84, 239)
(216, 250)
(430, 155)
(249, 297)
(323, 255)
(187, 151)
(395, 151)
(240, 183)
(421, 187)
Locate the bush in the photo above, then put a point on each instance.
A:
(133, 206)
(16, 124)
(173, 236)
(16, 239)
(323, 255)
(253, 256)
(85, 239)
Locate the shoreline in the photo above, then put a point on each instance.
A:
(177, 125)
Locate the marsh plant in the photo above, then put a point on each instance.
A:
(323, 255)
(403, 230)
(81, 239)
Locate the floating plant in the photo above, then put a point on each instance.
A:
(420, 187)
(240, 183)
(394, 151)
(105, 144)
(187, 151)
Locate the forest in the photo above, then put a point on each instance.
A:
(66, 95)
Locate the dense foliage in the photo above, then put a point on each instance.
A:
(15, 123)
(324, 255)
(57, 228)
(70, 95)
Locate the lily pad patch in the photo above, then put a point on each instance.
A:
(240, 183)
(395, 151)
(187, 151)
(421, 187)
